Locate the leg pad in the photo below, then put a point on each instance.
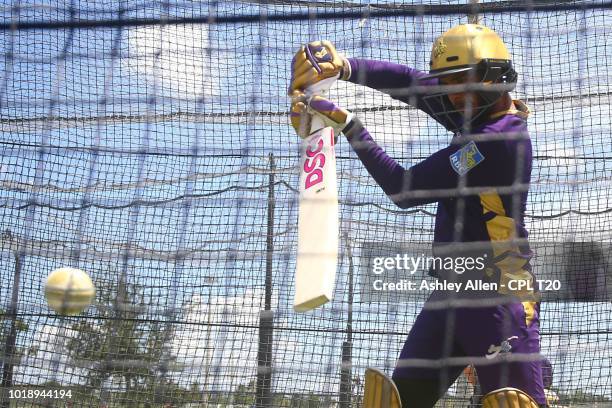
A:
(508, 398)
(380, 391)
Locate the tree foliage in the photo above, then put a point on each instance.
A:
(5, 328)
(126, 353)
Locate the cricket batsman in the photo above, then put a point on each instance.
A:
(480, 184)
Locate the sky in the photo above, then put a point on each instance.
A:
(208, 106)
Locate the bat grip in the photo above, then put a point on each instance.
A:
(320, 88)
(316, 123)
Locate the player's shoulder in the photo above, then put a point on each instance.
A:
(493, 145)
(504, 139)
(504, 136)
(513, 119)
(507, 127)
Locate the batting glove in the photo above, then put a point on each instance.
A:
(315, 62)
(303, 107)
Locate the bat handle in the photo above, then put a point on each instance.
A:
(316, 123)
(320, 88)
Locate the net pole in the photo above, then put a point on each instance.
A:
(263, 389)
(9, 345)
(347, 346)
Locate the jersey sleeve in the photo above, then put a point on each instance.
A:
(433, 179)
(396, 81)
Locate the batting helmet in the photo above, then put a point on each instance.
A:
(480, 54)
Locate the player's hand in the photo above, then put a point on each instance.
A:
(315, 62)
(299, 116)
(330, 113)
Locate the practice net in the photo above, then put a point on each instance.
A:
(148, 144)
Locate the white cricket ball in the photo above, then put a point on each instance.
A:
(69, 291)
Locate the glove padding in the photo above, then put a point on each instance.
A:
(302, 107)
(314, 62)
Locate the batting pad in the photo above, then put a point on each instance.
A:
(380, 391)
(508, 398)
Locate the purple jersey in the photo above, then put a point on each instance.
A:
(498, 158)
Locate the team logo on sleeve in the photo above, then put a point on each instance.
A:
(466, 158)
(503, 348)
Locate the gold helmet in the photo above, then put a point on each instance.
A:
(478, 52)
(472, 47)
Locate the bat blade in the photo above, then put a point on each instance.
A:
(318, 223)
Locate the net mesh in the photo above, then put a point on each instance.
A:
(148, 144)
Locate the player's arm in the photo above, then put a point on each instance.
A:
(319, 61)
(406, 187)
(389, 77)
(410, 187)
(403, 83)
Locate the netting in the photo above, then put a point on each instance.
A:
(148, 144)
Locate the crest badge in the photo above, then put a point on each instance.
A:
(466, 158)
(439, 49)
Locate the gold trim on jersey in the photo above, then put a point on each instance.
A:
(518, 108)
(502, 231)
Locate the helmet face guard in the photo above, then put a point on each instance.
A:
(489, 80)
(498, 75)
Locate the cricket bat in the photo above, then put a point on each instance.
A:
(318, 223)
